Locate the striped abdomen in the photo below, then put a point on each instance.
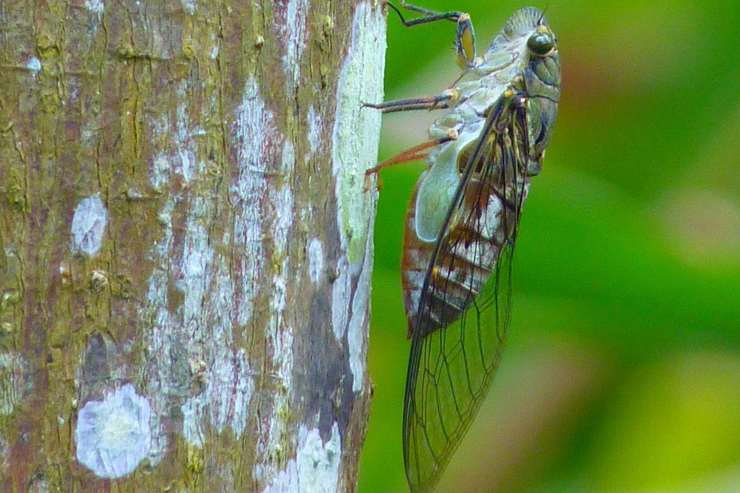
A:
(467, 255)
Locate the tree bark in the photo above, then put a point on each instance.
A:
(185, 243)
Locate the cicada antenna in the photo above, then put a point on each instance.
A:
(544, 12)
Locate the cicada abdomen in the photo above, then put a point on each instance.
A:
(481, 226)
(462, 226)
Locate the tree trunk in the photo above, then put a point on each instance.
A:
(185, 243)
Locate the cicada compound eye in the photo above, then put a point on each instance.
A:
(541, 43)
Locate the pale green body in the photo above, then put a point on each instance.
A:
(479, 89)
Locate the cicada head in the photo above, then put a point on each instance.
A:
(528, 37)
(527, 44)
(544, 58)
(542, 82)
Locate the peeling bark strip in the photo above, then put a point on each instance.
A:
(185, 243)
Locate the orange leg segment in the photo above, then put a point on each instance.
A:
(415, 153)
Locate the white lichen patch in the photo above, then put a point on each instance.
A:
(356, 131)
(283, 220)
(341, 298)
(187, 165)
(225, 401)
(176, 144)
(95, 6)
(88, 225)
(4, 454)
(159, 172)
(356, 333)
(315, 260)
(284, 481)
(229, 390)
(293, 32)
(193, 413)
(318, 461)
(256, 135)
(315, 131)
(279, 428)
(15, 383)
(188, 6)
(350, 312)
(315, 467)
(113, 436)
(192, 346)
(34, 65)
(280, 333)
(199, 332)
(38, 484)
(197, 259)
(287, 163)
(163, 335)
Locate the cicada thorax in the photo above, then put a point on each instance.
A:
(484, 220)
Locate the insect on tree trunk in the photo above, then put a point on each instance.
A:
(185, 243)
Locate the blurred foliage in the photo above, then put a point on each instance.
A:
(622, 371)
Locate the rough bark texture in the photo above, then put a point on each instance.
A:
(185, 243)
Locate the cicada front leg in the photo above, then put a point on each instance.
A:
(440, 102)
(464, 37)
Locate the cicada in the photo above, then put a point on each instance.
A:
(462, 224)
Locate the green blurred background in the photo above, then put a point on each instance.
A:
(622, 370)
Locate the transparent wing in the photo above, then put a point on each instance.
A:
(465, 304)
